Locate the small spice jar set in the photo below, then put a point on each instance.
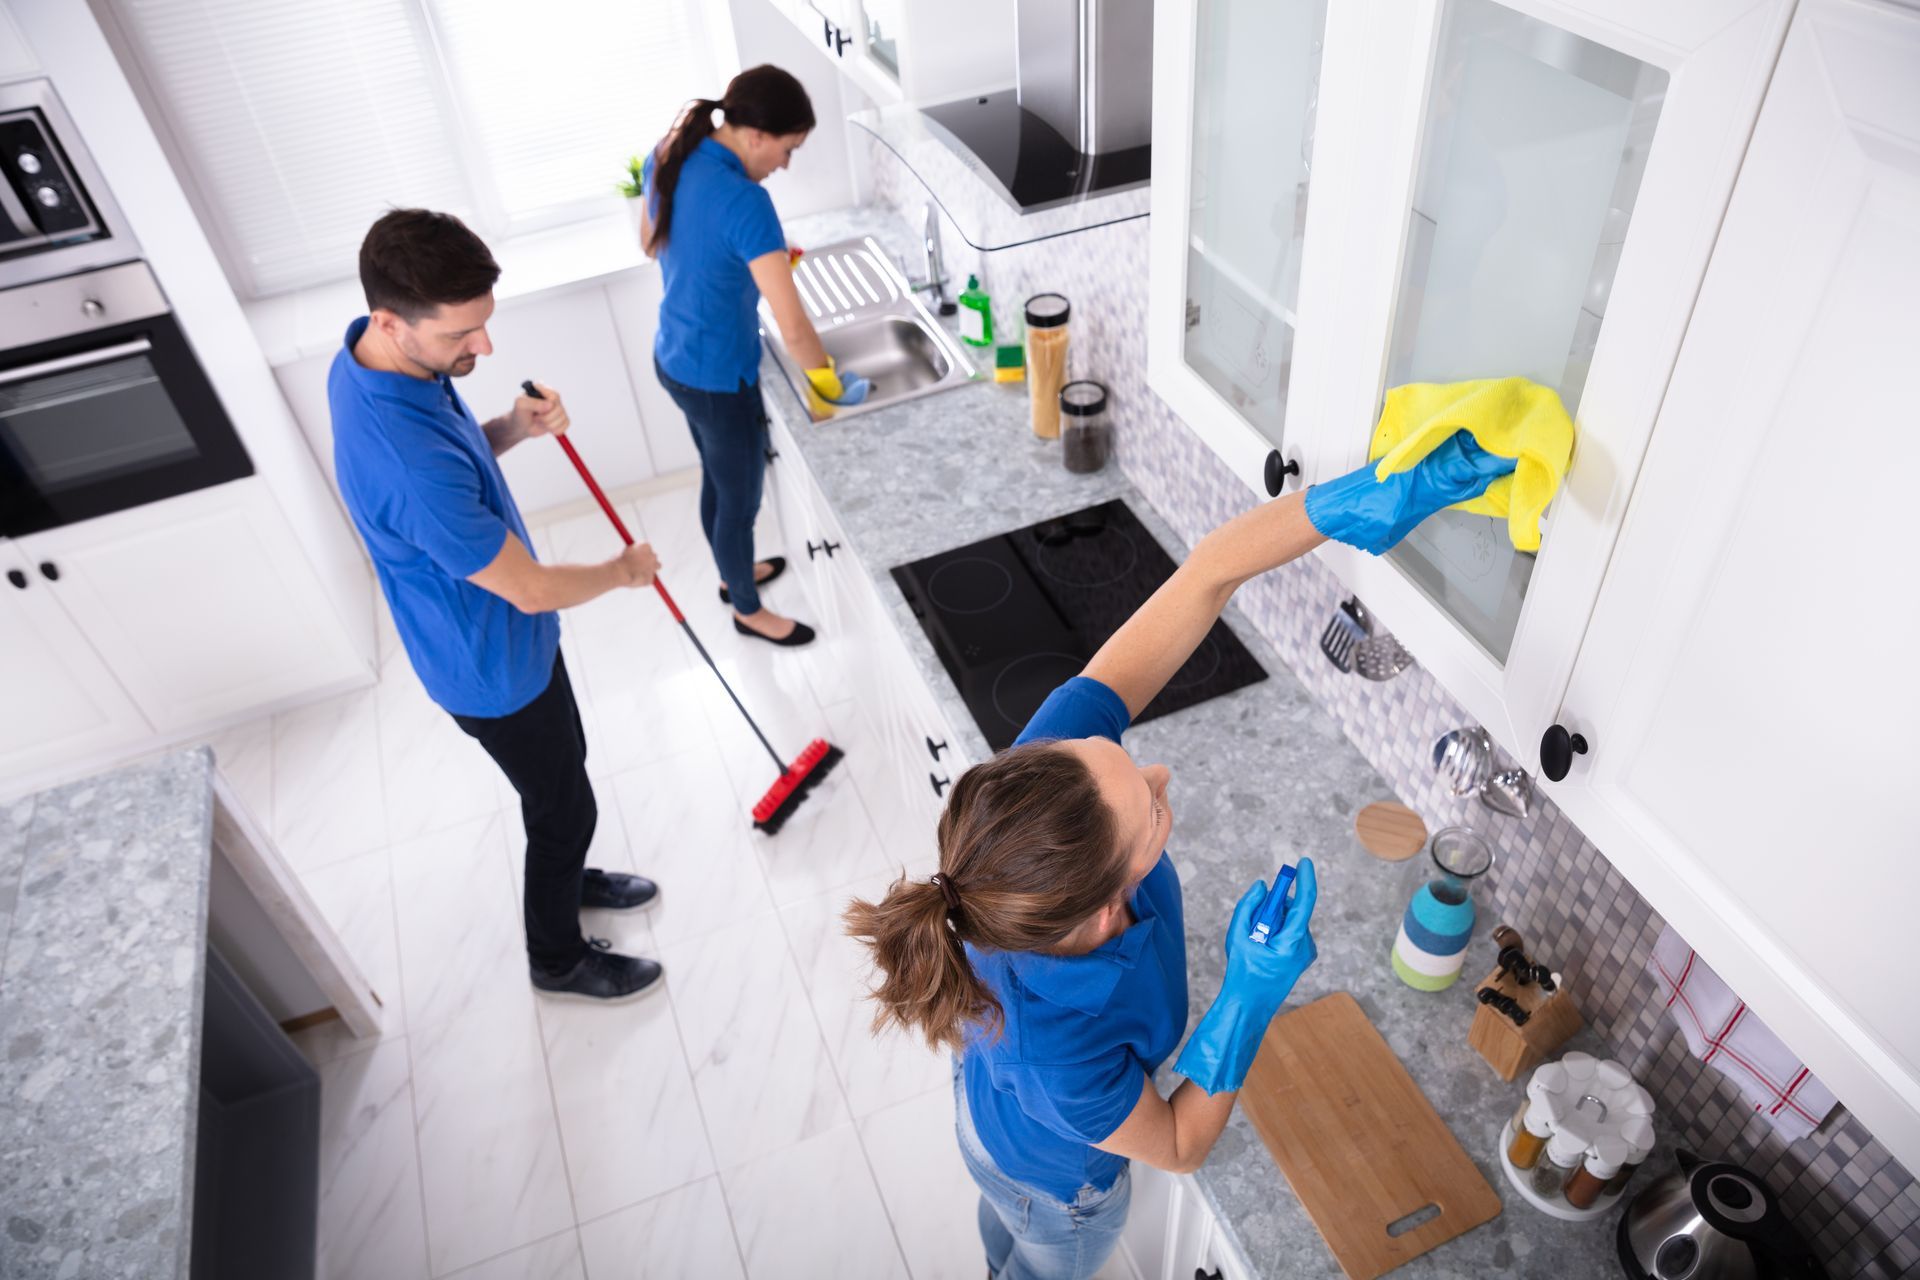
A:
(1578, 1135)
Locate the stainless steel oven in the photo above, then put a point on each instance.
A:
(108, 408)
(103, 405)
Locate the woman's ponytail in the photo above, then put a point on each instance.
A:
(694, 126)
(764, 98)
(927, 987)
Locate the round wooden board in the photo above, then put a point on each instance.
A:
(1390, 831)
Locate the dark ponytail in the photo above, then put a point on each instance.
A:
(1029, 850)
(763, 97)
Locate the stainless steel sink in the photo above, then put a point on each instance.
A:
(872, 324)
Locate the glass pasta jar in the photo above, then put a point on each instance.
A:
(1046, 316)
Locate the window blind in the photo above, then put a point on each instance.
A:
(556, 96)
(302, 120)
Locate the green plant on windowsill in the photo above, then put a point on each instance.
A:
(634, 185)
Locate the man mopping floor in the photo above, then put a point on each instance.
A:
(475, 611)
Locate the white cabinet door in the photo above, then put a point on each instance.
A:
(1235, 88)
(202, 605)
(1544, 205)
(60, 700)
(1743, 688)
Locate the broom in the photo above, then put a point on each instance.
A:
(809, 767)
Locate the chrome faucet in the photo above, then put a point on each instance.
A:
(933, 270)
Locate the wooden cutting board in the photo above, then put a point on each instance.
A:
(1358, 1140)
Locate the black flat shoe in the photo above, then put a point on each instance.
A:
(779, 564)
(615, 891)
(602, 976)
(801, 634)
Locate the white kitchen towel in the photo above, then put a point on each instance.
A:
(1723, 1032)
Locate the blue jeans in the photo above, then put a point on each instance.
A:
(1028, 1234)
(730, 433)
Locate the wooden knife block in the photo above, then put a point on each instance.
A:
(1510, 1050)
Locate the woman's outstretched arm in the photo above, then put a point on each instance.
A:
(1137, 660)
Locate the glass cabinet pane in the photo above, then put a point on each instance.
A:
(1533, 147)
(1256, 73)
(881, 21)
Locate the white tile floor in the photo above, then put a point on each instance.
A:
(743, 1122)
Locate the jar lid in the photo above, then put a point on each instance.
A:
(1612, 1075)
(1083, 398)
(1567, 1146)
(1047, 311)
(1548, 1077)
(1606, 1156)
(1638, 1133)
(1580, 1066)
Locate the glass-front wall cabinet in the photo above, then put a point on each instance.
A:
(1533, 144)
(1256, 70)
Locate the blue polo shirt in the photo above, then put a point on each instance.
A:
(709, 337)
(424, 489)
(1080, 1031)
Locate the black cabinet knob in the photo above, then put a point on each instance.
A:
(772, 453)
(1278, 469)
(1202, 1274)
(826, 30)
(829, 547)
(840, 42)
(17, 578)
(50, 571)
(813, 548)
(1557, 750)
(940, 784)
(935, 748)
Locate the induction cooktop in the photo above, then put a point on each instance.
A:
(1013, 616)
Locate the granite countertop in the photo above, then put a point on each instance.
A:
(1260, 776)
(103, 921)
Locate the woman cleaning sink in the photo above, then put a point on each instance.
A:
(713, 228)
(1049, 952)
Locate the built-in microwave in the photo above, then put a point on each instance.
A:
(103, 405)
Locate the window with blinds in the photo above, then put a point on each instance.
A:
(301, 121)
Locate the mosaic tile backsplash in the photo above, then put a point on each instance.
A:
(1857, 1206)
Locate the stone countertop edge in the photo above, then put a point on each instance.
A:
(1260, 776)
(101, 996)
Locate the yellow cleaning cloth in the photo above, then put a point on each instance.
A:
(1511, 417)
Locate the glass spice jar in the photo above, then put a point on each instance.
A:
(1086, 432)
(1532, 1126)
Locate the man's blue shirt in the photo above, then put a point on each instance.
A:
(1081, 1032)
(709, 337)
(424, 489)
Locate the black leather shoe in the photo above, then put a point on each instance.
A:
(602, 976)
(616, 891)
(779, 564)
(801, 634)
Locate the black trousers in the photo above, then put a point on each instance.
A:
(542, 749)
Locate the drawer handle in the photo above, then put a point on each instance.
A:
(840, 42)
(17, 578)
(1278, 469)
(1557, 750)
(50, 571)
(935, 748)
(824, 547)
(772, 453)
(1201, 1273)
(940, 784)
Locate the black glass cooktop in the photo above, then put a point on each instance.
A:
(1015, 615)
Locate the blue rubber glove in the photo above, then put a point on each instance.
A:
(1374, 514)
(1259, 977)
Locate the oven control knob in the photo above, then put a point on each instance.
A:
(92, 309)
(47, 196)
(28, 162)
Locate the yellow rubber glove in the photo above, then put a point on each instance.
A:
(827, 391)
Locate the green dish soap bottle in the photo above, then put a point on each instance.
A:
(976, 315)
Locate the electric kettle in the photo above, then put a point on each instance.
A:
(1709, 1221)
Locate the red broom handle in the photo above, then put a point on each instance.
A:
(599, 495)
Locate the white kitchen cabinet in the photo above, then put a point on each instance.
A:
(60, 699)
(1748, 729)
(202, 606)
(1196, 1243)
(1529, 188)
(1235, 99)
(919, 51)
